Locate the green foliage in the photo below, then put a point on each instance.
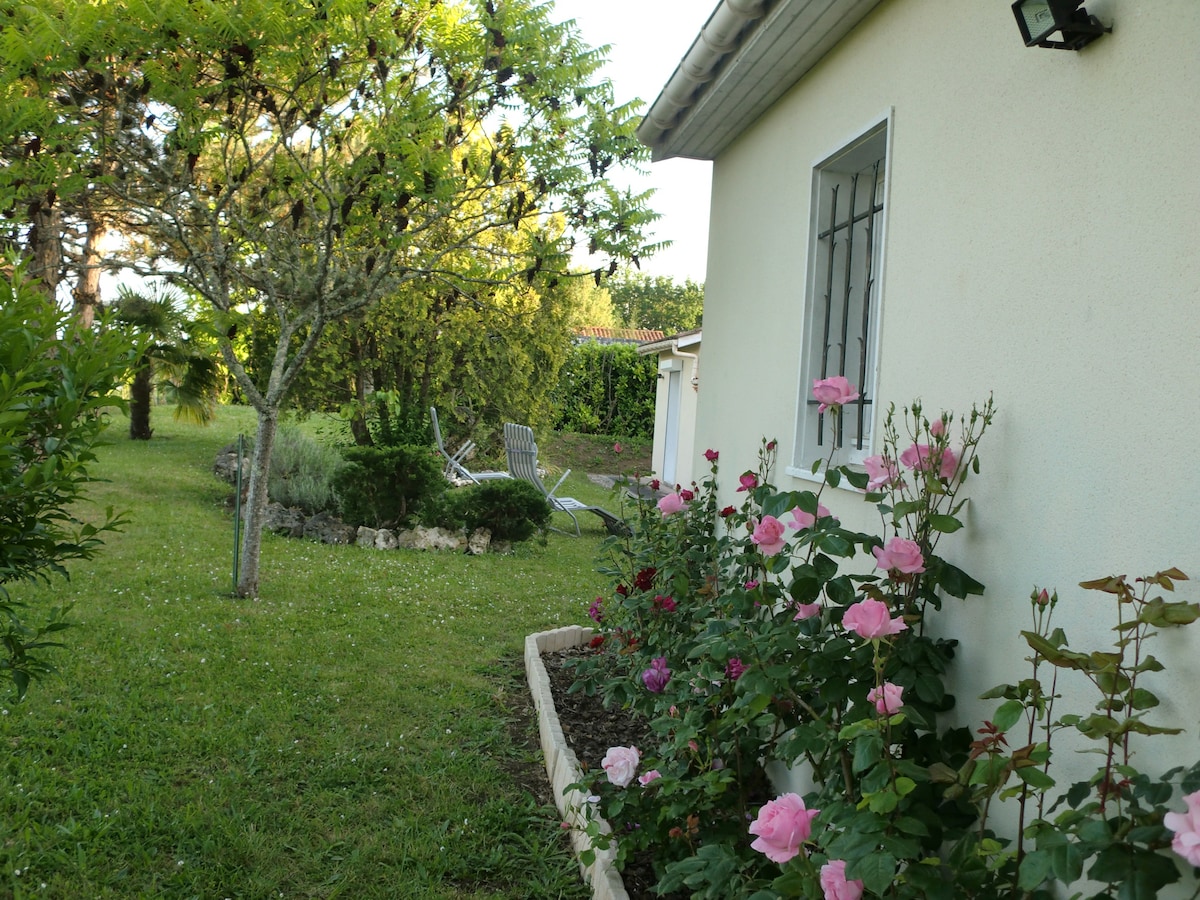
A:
(607, 389)
(513, 510)
(54, 396)
(385, 486)
(305, 167)
(644, 301)
(303, 472)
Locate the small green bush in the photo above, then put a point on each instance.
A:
(303, 471)
(386, 486)
(512, 510)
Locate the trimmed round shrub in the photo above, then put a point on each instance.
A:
(511, 509)
(386, 486)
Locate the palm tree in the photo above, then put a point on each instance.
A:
(184, 373)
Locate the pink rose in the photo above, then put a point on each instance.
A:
(806, 611)
(835, 885)
(882, 472)
(938, 428)
(617, 447)
(835, 391)
(687, 495)
(734, 669)
(886, 698)
(711, 455)
(768, 534)
(802, 519)
(620, 764)
(783, 824)
(749, 482)
(922, 458)
(650, 776)
(671, 504)
(871, 619)
(656, 677)
(900, 555)
(750, 585)
(1187, 829)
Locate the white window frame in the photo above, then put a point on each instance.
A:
(813, 430)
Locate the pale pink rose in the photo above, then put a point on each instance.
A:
(806, 611)
(937, 428)
(900, 555)
(835, 391)
(620, 764)
(834, 883)
(671, 504)
(650, 776)
(768, 534)
(922, 458)
(783, 824)
(1187, 829)
(802, 519)
(886, 698)
(871, 618)
(882, 472)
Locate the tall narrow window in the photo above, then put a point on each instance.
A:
(842, 305)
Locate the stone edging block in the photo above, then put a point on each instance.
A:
(562, 768)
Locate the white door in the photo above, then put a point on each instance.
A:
(671, 437)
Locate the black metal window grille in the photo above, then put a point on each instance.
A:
(847, 260)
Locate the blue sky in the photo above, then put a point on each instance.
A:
(648, 38)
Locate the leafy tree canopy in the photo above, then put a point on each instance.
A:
(308, 158)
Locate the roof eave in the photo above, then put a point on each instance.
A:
(747, 55)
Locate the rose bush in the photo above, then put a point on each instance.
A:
(806, 647)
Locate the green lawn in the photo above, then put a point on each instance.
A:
(349, 734)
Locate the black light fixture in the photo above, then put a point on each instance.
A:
(1038, 19)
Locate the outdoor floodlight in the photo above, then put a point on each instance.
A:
(1038, 19)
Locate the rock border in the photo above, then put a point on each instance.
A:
(562, 766)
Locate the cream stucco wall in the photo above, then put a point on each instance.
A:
(1042, 243)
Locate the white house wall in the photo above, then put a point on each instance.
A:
(1042, 243)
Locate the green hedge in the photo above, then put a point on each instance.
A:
(607, 389)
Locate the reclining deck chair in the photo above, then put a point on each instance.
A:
(522, 463)
(454, 461)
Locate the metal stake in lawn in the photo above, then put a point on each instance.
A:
(237, 515)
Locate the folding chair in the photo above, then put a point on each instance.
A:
(521, 449)
(454, 461)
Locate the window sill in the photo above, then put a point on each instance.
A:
(819, 477)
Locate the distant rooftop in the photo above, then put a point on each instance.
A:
(617, 335)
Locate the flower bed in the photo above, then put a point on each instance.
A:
(562, 767)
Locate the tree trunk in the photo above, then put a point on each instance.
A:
(140, 392)
(364, 384)
(256, 500)
(87, 290)
(45, 248)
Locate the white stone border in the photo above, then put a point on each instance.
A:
(562, 766)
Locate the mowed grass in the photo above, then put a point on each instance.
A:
(351, 733)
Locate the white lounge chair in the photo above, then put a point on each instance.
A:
(522, 453)
(455, 470)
